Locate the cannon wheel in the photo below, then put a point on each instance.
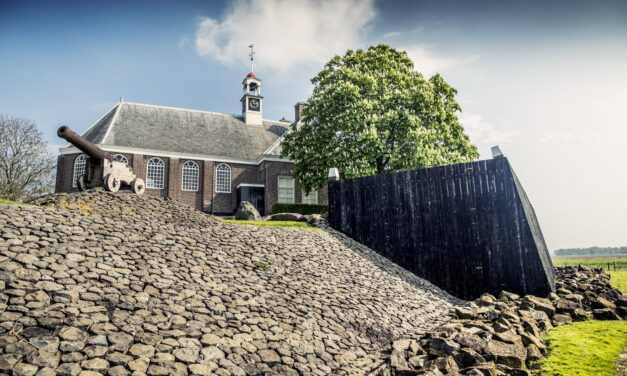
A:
(138, 186)
(81, 183)
(111, 183)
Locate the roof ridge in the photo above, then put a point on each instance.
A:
(192, 110)
(112, 122)
(179, 108)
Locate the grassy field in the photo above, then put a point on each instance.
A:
(617, 267)
(270, 223)
(620, 262)
(584, 348)
(619, 280)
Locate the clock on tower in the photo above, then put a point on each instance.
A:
(253, 104)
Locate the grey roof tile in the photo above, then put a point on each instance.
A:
(96, 133)
(186, 131)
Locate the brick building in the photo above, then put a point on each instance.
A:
(210, 161)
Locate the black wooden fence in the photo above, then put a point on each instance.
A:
(468, 228)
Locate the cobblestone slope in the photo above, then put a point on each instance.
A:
(96, 283)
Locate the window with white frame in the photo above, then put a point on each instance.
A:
(154, 173)
(79, 168)
(286, 190)
(223, 178)
(190, 176)
(311, 198)
(121, 158)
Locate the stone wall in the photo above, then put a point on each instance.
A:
(504, 336)
(205, 199)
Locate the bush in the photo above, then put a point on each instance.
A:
(299, 208)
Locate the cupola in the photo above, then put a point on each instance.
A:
(252, 99)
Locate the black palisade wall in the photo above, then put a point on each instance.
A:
(468, 228)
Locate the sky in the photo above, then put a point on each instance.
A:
(544, 80)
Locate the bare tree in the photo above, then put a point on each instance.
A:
(26, 167)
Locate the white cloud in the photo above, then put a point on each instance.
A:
(285, 33)
(428, 63)
(482, 131)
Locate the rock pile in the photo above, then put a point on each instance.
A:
(502, 336)
(117, 284)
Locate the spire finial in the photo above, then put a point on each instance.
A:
(252, 55)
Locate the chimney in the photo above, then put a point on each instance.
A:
(298, 110)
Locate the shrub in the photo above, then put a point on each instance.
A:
(299, 208)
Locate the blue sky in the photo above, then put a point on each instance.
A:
(546, 80)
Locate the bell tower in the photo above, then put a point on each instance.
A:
(251, 100)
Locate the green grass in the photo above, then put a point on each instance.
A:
(594, 262)
(619, 276)
(618, 279)
(4, 201)
(269, 223)
(584, 348)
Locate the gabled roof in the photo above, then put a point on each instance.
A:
(178, 130)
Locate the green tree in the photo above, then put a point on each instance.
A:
(372, 113)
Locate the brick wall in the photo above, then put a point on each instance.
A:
(271, 171)
(65, 173)
(140, 164)
(191, 198)
(323, 195)
(205, 198)
(207, 186)
(225, 203)
(61, 169)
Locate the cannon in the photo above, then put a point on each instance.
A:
(101, 169)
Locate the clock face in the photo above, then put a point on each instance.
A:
(253, 104)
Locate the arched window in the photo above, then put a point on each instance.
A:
(190, 176)
(223, 178)
(121, 158)
(154, 173)
(79, 168)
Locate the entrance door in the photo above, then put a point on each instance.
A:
(254, 195)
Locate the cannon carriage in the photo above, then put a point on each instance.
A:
(102, 169)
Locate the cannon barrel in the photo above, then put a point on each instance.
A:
(85, 146)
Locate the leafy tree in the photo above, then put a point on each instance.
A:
(26, 169)
(372, 113)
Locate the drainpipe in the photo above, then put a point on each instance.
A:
(213, 186)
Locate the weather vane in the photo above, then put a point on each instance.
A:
(252, 55)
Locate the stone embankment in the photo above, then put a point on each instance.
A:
(502, 336)
(116, 284)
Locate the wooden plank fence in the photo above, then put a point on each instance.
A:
(469, 228)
